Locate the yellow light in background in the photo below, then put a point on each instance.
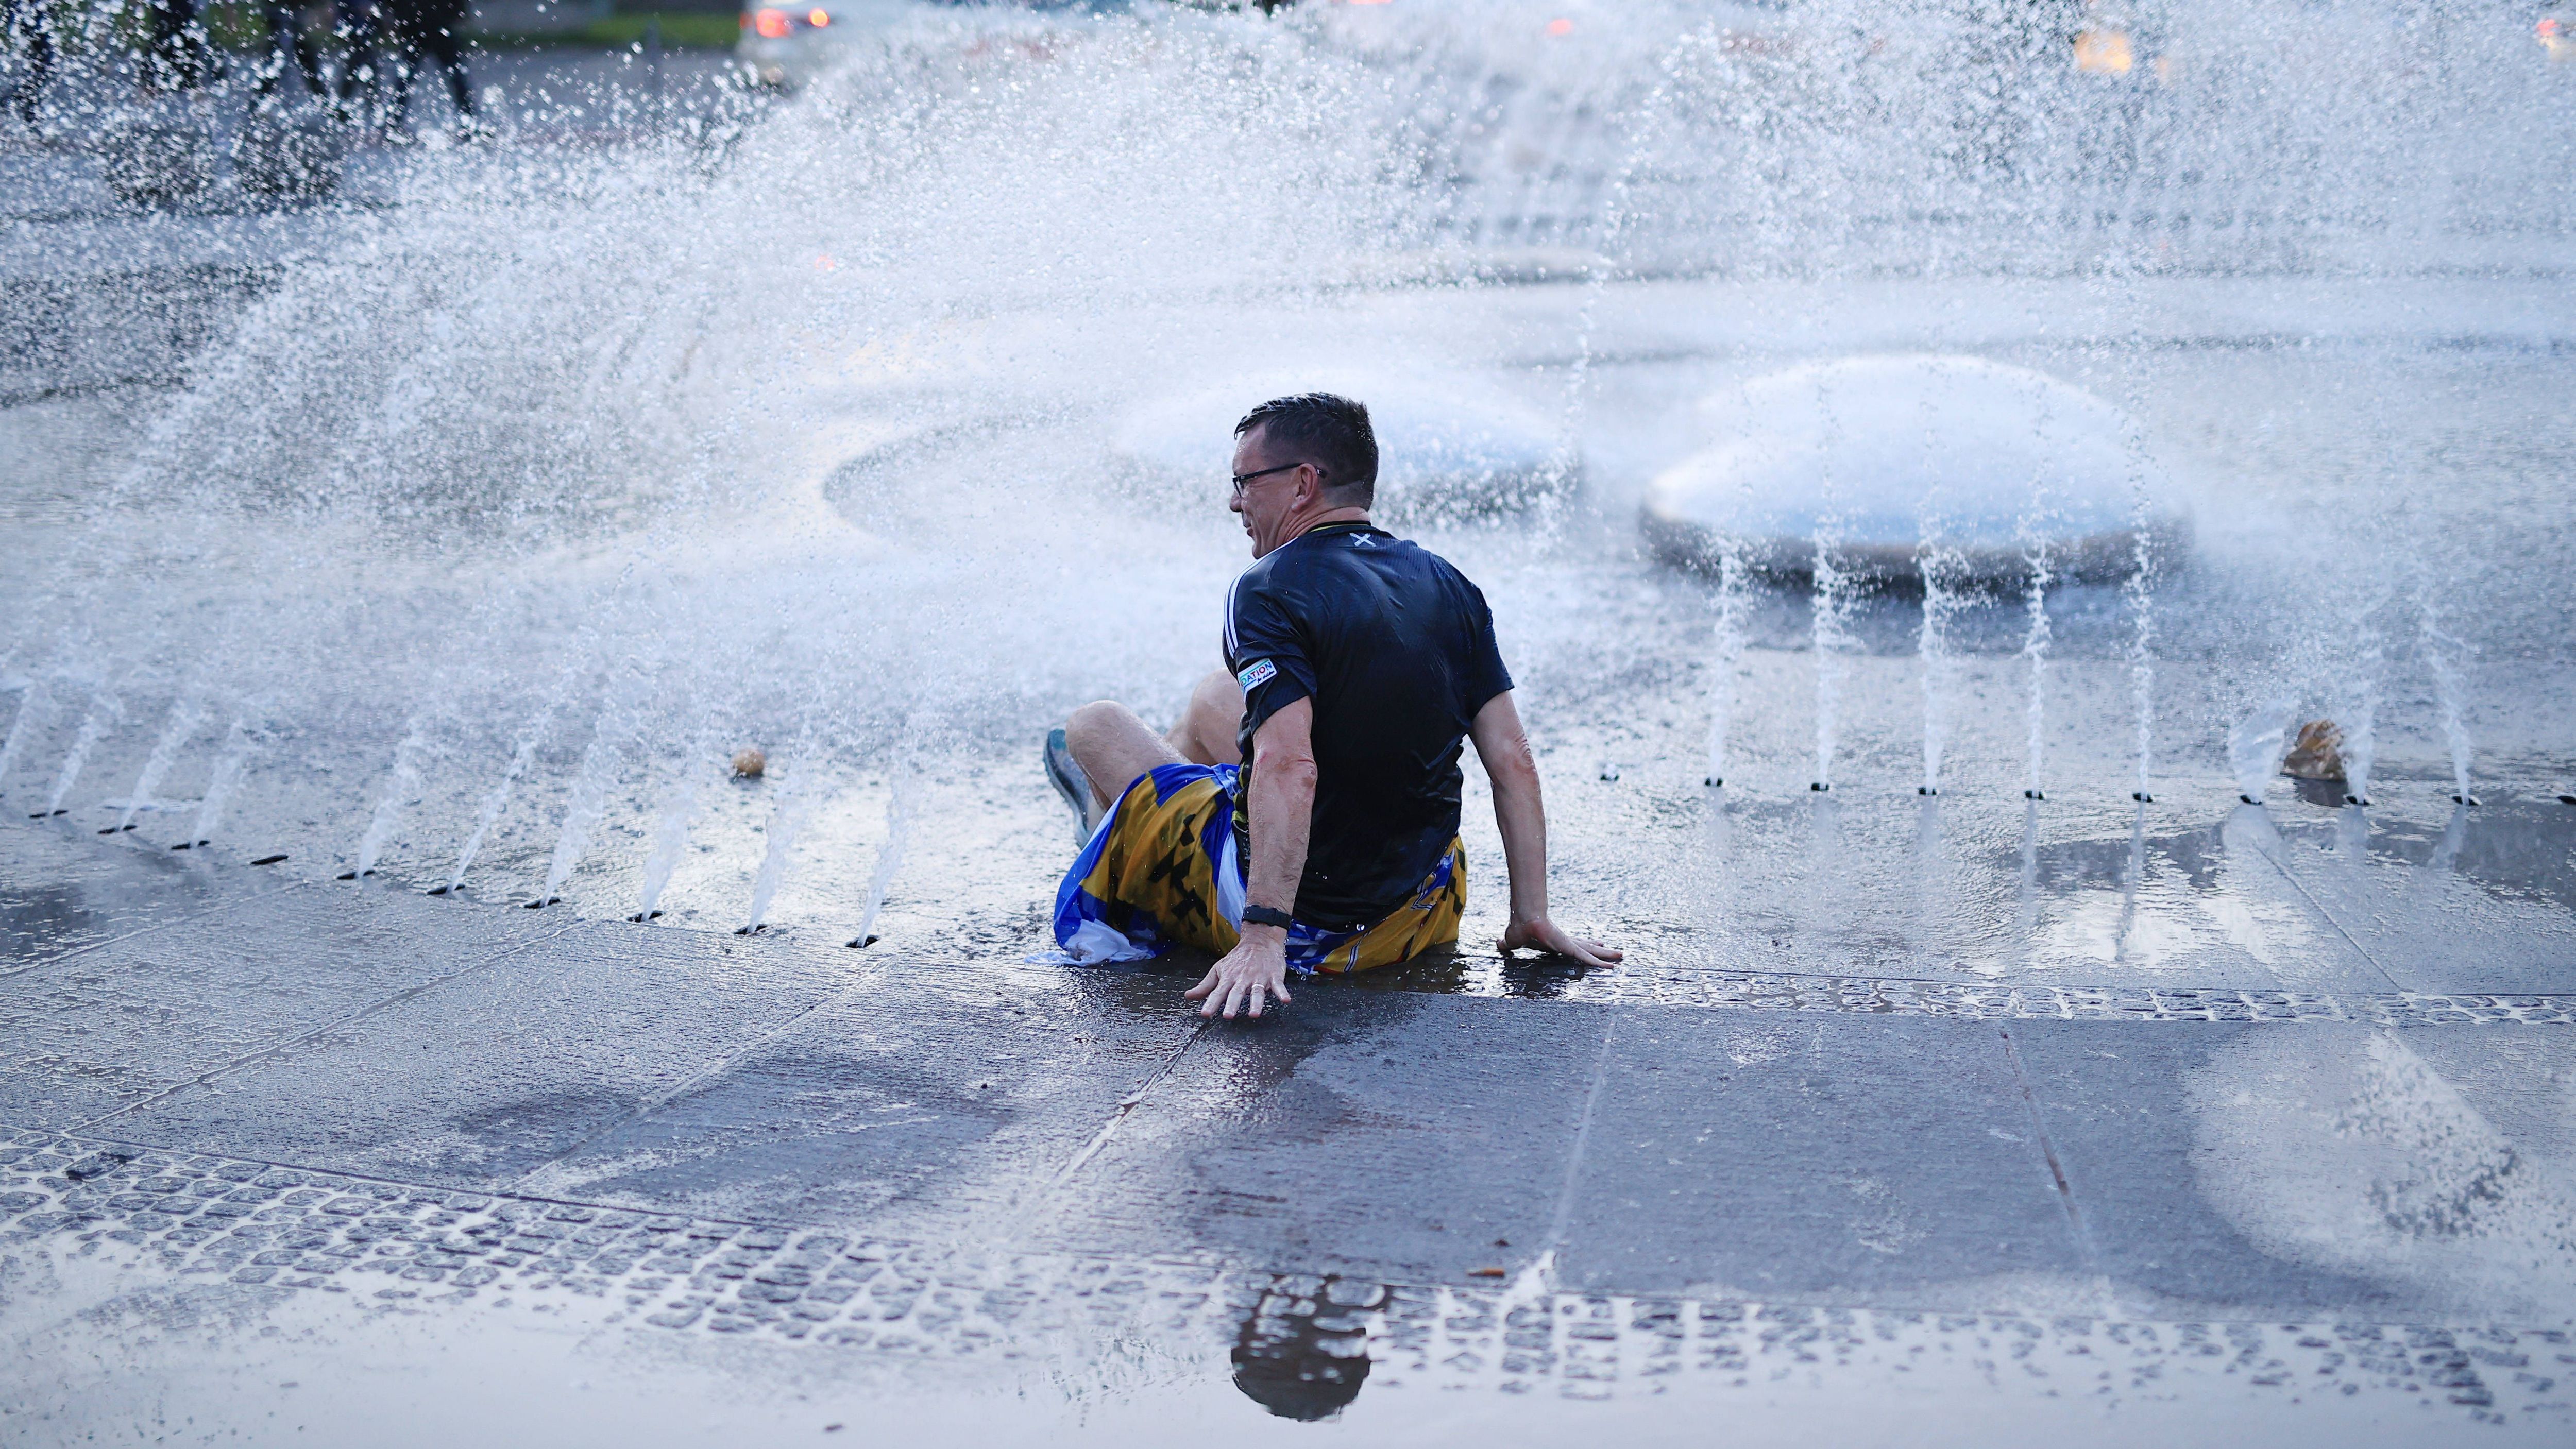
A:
(2103, 52)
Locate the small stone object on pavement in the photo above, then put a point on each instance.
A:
(750, 764)
(2317, 753)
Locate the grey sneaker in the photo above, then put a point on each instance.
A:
(1068, 779)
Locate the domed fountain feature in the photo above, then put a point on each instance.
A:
(1887, 457)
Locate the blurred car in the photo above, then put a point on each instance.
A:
(786, 44)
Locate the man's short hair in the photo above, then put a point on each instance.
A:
(1329, 431)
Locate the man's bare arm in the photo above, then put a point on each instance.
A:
(1283, 812)
(1522, 816)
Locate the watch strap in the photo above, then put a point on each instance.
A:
(1265, 916)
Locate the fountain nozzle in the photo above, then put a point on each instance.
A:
(2033, 795)
(1926, 790)
(2464, 799)
(2354, 800)
(2248, 799)
(2142, 797)
(1714, 781)
(1818, 785)
(864, 942)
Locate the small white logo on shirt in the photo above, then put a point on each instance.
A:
(1256, 674)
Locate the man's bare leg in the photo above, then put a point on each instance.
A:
(1209, 722)
(1113, 747)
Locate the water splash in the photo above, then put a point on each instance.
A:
(104, 713)
(1833, 641)
(2035, 631)
(230, 765)
(890, 854)
(2360, 716)
(2138, 597)
(1944, 569)
(2034, 654)
(2442, 651)
(532, 737)
(1733, 600)
(786, 822)
(679, 809)
(34, 704)
(600, 761)
(186, 713)
(402, 785)
(2255, 747)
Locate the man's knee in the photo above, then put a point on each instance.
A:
(1092, 721)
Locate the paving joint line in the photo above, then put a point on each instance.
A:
(2076, 1226)
(2331, 919)
(1562, 1218)
(191, 918)
(658, 1100)
(1118, 1114)
(339, 1024)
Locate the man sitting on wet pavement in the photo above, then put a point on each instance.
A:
(1304, 812)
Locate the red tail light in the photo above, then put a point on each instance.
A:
(771, 24)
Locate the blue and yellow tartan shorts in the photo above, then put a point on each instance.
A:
(1162, 870)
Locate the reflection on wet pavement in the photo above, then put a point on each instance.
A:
(1300, 1346)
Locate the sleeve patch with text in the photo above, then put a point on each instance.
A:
(1259, 672)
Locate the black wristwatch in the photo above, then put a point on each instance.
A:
(1264, 916)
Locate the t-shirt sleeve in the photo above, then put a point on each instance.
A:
(1485, 675)
(1267, 652)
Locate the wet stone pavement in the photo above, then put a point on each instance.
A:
(228, 1092)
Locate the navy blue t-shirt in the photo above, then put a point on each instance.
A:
(1397, 650)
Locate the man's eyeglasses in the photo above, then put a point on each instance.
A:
(1241, 480)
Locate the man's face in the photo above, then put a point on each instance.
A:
(1268, 501)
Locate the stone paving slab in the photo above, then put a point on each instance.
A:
(936, 1100)
(2330, 1168)
(61, 894)
(1847, 1158)
(495, 1071)
(98, 1030)
(1398, 1135)
(2479, 901)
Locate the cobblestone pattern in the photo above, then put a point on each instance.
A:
(271, 1228)
(1769, 992)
